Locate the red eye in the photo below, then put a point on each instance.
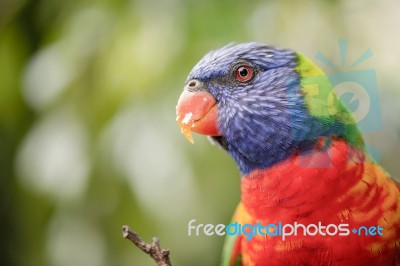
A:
(244, 73)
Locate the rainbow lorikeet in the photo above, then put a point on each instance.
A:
(301, 156)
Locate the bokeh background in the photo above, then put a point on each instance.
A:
(88, 137)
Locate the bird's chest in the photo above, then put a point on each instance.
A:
(290, 234)
(300, 215)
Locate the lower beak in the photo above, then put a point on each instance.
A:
(197, 111)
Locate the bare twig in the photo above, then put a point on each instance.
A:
(159, 255)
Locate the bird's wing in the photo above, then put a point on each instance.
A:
(231, 255)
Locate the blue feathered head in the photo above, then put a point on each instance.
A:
(248, 98)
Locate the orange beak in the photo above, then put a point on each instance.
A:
(197, 111)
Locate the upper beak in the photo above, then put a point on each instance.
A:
(197, 111)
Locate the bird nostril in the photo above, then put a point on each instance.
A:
(195, 85)
(192, 84)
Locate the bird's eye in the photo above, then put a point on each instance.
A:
(244, 73)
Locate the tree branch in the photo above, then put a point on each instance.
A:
(159, 255)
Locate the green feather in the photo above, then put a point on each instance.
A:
(227, 251)
(322, 102)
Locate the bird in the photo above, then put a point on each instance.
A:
(302, 160)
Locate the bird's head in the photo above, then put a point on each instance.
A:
(260, 103)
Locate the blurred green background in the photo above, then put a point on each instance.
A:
(88, 137)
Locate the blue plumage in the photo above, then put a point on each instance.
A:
(264, 121)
